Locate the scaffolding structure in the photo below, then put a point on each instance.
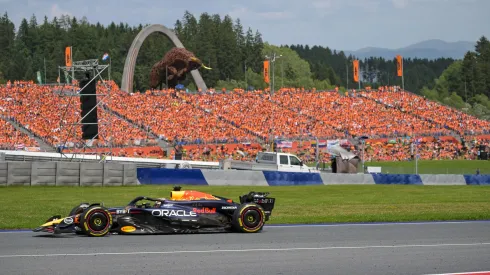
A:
(96, 69)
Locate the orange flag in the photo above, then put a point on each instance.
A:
(266, 71)
(355, 65)
(399, 65)
(68, 60)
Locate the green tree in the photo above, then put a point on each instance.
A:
(257, 57)
(228, 51)
(241, 50)
(207, 51)
(289, 70)
(255, 80)
(7, 37)
(430, 94)
(469, 72)
(463, 84)
(482, 50)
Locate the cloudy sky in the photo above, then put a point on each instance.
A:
(338, 24)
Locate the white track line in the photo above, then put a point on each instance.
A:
(331, 225)
(244, 250)
(463, 273)
(372, 224)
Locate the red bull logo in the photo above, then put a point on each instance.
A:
(204, 210)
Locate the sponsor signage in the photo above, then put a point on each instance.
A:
(228, 207)
(68, 220)
(204, 210)
(267, 200)
(172, 213)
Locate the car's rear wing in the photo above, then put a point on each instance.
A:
(261, 199)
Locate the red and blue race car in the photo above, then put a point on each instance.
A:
(183, 212)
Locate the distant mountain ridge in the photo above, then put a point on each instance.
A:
(430, 49)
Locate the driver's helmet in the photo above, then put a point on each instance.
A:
(159, 203)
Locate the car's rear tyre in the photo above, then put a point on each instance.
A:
(248, 218)
(96, 221)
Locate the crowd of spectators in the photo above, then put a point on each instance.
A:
(53, 115)
(238, 124)
(427, 150)
(171, 118)
(12, 139)
(254, 111)
(356, 115)
(445, 117)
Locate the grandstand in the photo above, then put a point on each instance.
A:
(238, 124)
(13, 139)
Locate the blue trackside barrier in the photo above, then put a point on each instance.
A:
(290, 178)
(275, 178)
(477, 179)
(397, 179)
(171, 176)
(114, 174)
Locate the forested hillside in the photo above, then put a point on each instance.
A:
(236, 54)
(334, 66)
(466, 83)
(219, 42)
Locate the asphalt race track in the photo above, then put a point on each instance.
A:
(413, 248)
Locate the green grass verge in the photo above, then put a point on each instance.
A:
(27, 207)
(432, 166)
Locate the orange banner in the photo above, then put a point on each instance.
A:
(399, 65)
(266, 71)
(355, 65)
(68, 56)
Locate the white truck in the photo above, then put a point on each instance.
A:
(270, 161)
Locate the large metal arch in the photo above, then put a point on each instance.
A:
(129, 65)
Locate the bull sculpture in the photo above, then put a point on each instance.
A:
(174, 67)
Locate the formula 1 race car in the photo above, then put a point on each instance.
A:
(184, 212)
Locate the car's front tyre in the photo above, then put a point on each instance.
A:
(96, 221)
